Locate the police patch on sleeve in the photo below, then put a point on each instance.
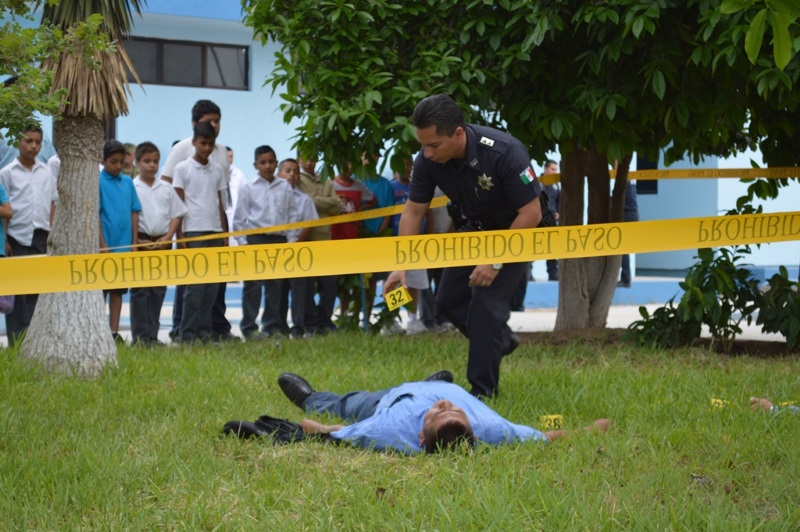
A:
(486, 141)
(527, 176)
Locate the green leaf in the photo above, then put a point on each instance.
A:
(611, 109)
(755, 35)
(782, 41)
(638, 25)
(730, 7)
(556, 127)
(659, 84)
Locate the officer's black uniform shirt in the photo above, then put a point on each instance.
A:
(494, 176)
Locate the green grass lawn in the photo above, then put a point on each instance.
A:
(142, 447)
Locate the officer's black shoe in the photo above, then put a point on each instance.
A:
(295, 388)
(513, 344)
(443, 375)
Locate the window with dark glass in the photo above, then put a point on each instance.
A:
(189, 64)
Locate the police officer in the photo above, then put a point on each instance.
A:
(487, 174)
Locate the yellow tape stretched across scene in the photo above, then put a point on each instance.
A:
(25, 275)
(697, 173)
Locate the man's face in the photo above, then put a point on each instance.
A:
(203, 146)
(266, 163)
(113, 165)
(552, 169)
(290, 172)
(230, 157)
(442, 148)
(213, 119)
(439, 414)
(30, 144)
(148, 165)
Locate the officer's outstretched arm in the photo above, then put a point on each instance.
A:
(411, 218)
(528, 216)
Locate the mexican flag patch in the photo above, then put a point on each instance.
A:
(527, 176)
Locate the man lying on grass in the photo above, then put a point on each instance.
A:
(414, 417)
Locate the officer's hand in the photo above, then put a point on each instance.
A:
(483, 275)
(393, 281)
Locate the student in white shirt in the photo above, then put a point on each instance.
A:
(32, 195)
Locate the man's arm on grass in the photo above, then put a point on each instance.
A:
(600, 425)
(310, 426)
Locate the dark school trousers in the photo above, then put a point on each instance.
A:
(251, 296)
(19, 319)
(198, 299)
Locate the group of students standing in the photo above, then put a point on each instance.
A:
(199, 193)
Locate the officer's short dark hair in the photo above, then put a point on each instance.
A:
(204, 130)
(202, 108)
(441, 111)
(111, 147)
(549, 162)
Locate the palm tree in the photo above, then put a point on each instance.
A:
(69, 333)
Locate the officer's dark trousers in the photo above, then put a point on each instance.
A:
(352, 407)
(481, 314)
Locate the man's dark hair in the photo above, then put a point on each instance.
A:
(549, 162)
(144, 148)
(204, 130)
(204, 107)
(449, 436)
(228, 148)
(441, 111)
(111, 147)
(261, 150)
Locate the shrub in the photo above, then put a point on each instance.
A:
(779, 308)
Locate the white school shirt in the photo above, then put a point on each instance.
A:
(185, 150)
(160, 205)
(235, 182)
(304, 210)
(30, 193)
(54, 164)
(201, 184)
(263, 204)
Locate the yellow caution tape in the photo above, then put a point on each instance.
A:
(697, 173)
(24, 275)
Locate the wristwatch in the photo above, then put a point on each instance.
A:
(497, 267)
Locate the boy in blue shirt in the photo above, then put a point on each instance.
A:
(119, 219)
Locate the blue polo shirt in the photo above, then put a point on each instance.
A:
(118, 201)
(398, 419)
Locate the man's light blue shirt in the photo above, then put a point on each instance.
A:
(398, 419)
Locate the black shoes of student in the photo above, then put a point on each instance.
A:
(295, 388)
(444, 376)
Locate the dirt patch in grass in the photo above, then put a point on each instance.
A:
(605, 337)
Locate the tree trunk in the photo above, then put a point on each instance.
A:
(69, 333)
(586, 286)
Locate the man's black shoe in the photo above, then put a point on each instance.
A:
(444, 376)
(295, 388)
(513, 344)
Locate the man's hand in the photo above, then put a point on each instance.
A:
(394, 280)
(483, 275)
(310, 426)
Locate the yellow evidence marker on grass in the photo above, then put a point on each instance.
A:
(719, 403)
(550, 422)
(397, 298)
